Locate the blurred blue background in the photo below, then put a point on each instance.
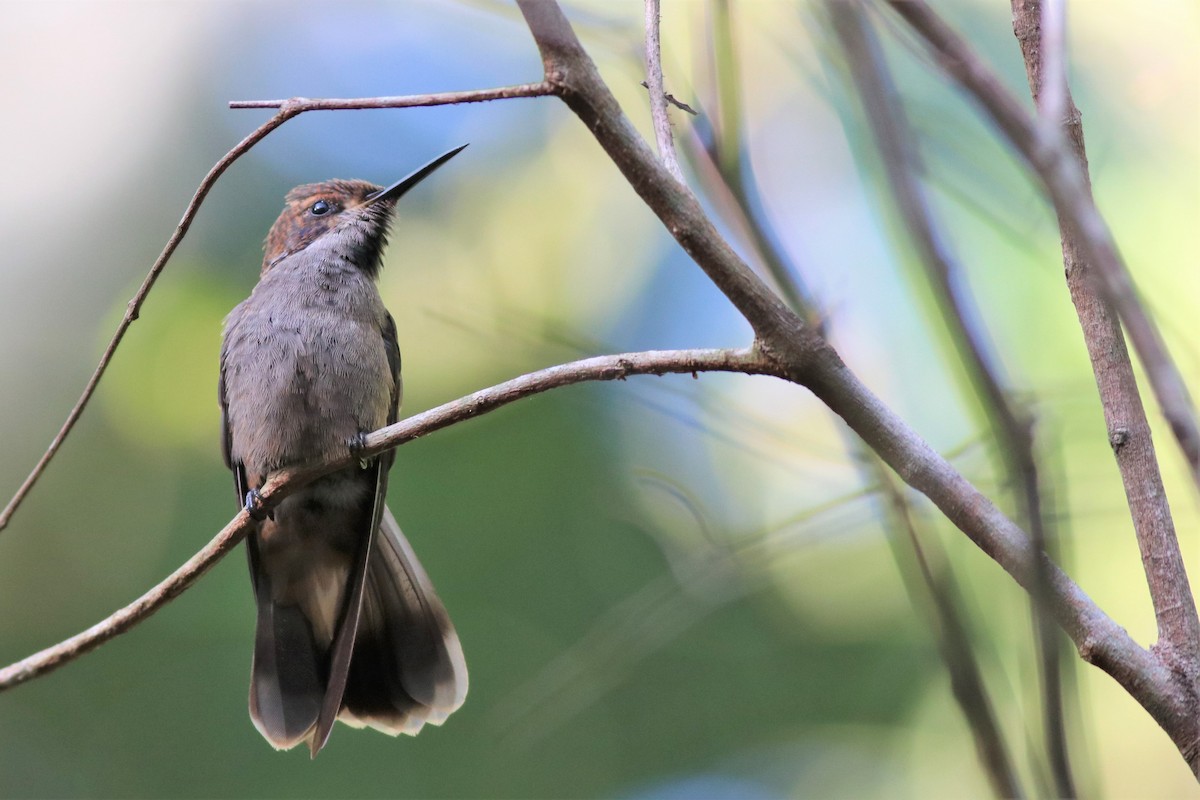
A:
(665, 587)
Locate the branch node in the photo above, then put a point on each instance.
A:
(675, 101)
(293, 105)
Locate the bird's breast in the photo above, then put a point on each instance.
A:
(306, 368)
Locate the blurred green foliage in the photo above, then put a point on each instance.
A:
(664, 587)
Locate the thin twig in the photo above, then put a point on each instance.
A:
(1011, 426)
(540, 89)
(287, 110)
(1049, 128)
(726, 75)
(658, 95)
(601, 368)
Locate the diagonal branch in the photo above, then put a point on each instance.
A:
(283, 483)
(287, 109)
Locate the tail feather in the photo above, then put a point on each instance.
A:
(408, 667)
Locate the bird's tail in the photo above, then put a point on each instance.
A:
(406, 668)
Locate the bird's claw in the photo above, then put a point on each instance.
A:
(357, 444)
(256, 508)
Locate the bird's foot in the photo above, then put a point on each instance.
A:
(256, 508)
(357, 444)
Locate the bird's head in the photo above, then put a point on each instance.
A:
(357, 212)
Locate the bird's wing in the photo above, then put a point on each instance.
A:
(392, 347)
(239, 471)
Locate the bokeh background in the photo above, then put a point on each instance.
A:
(664, 587)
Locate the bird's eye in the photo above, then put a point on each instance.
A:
(320, 208)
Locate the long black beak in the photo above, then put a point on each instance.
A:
(400, 187)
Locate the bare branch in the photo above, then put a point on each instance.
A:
(658, 95)
(287, 110)
(68, 650)
(1099, 639)
(283, 483)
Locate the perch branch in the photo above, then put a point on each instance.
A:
(600, 368)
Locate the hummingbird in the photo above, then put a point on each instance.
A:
(349, 626)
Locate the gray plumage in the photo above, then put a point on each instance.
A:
(349, 626)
